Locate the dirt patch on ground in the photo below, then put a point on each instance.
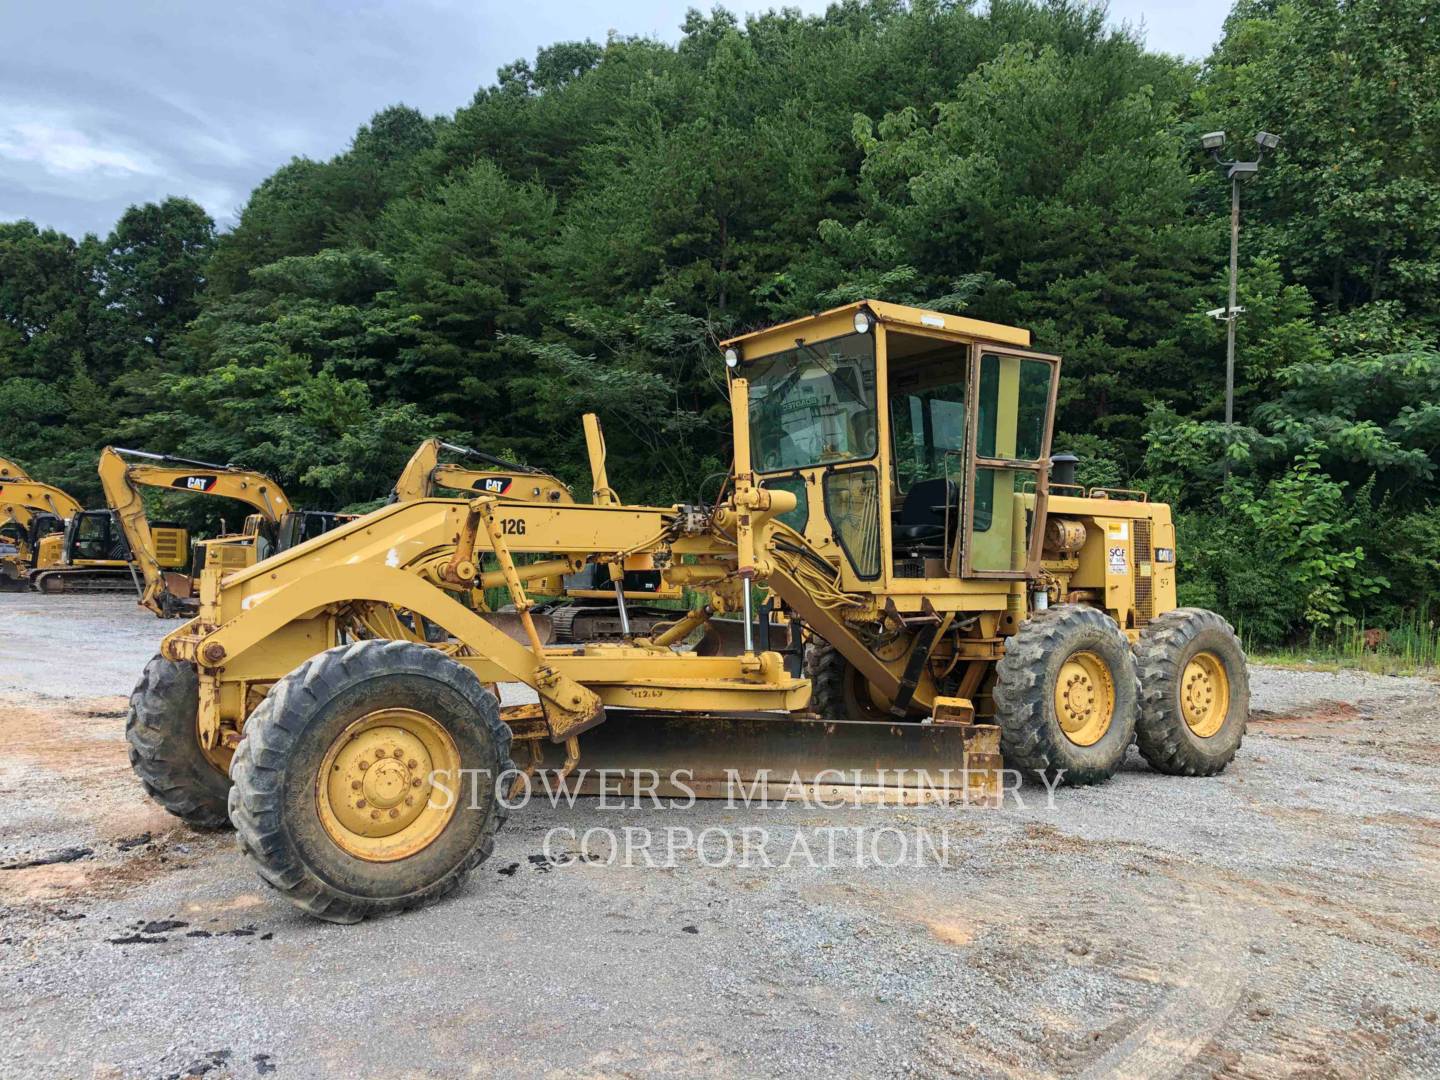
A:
(1305, 721)
(79, 824)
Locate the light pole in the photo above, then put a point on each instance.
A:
(1236, 171)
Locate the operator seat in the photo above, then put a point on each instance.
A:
(923, 513)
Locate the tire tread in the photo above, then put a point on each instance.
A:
(256, 800)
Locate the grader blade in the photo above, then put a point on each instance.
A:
(771, 757)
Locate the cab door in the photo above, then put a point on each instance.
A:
(1012, 406)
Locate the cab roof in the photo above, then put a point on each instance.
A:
(775, 338)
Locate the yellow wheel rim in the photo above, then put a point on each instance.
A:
(1085, 698)
(376, 792)
(1204, 694)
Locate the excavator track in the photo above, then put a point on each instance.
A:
(83, 580)
(578, 623)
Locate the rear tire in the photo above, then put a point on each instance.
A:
(344, 837)
(838, 691)
(1065, 695)
(165, 746)
(1194, 693)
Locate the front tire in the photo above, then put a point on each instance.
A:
(1194, 693)
(353, 787)
(165, 750)
(1065, 695)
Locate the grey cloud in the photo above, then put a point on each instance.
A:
(109, 102)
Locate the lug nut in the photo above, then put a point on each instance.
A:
(360, 805)
(375, 814)
(364, 764)
(415, 782)
(354, 785)
(409, 800)
(399, 753)
(394, 813)
(412, 763)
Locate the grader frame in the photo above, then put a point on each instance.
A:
(578, 607)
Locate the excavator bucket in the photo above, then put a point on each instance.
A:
(726, 637)
(509, 624)
(770, 758)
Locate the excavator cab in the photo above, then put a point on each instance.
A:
(25, 535)
(297, 526)
(94, 537)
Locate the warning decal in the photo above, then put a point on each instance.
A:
(1118, 564)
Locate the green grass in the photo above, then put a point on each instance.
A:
(1411, 648)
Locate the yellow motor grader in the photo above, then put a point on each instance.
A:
(891, 495)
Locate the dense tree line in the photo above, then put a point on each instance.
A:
(582, 233)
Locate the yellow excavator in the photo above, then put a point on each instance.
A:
(33, 518)
(581, 606)
(159, 553)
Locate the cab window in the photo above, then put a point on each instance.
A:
(813, 405)
(927, 408)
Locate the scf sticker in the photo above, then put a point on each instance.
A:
(1118, 559)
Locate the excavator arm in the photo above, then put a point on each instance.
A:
(416, 479)
(507, 480)
(32, 495)
(122, 480)
(11, 471)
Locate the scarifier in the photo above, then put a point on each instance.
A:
(891, 498)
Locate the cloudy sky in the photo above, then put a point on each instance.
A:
(104, 103)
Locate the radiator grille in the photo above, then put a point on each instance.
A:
(1144, 574)
(229, 557)
(169, 546)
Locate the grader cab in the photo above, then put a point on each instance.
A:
(890, 504)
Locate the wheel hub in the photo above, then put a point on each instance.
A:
(377, 794)
(1084, 698)
(1204, 694)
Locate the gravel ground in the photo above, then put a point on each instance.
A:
(1279, 920)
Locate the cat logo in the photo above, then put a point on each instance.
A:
(194, 483)
(493, 485)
